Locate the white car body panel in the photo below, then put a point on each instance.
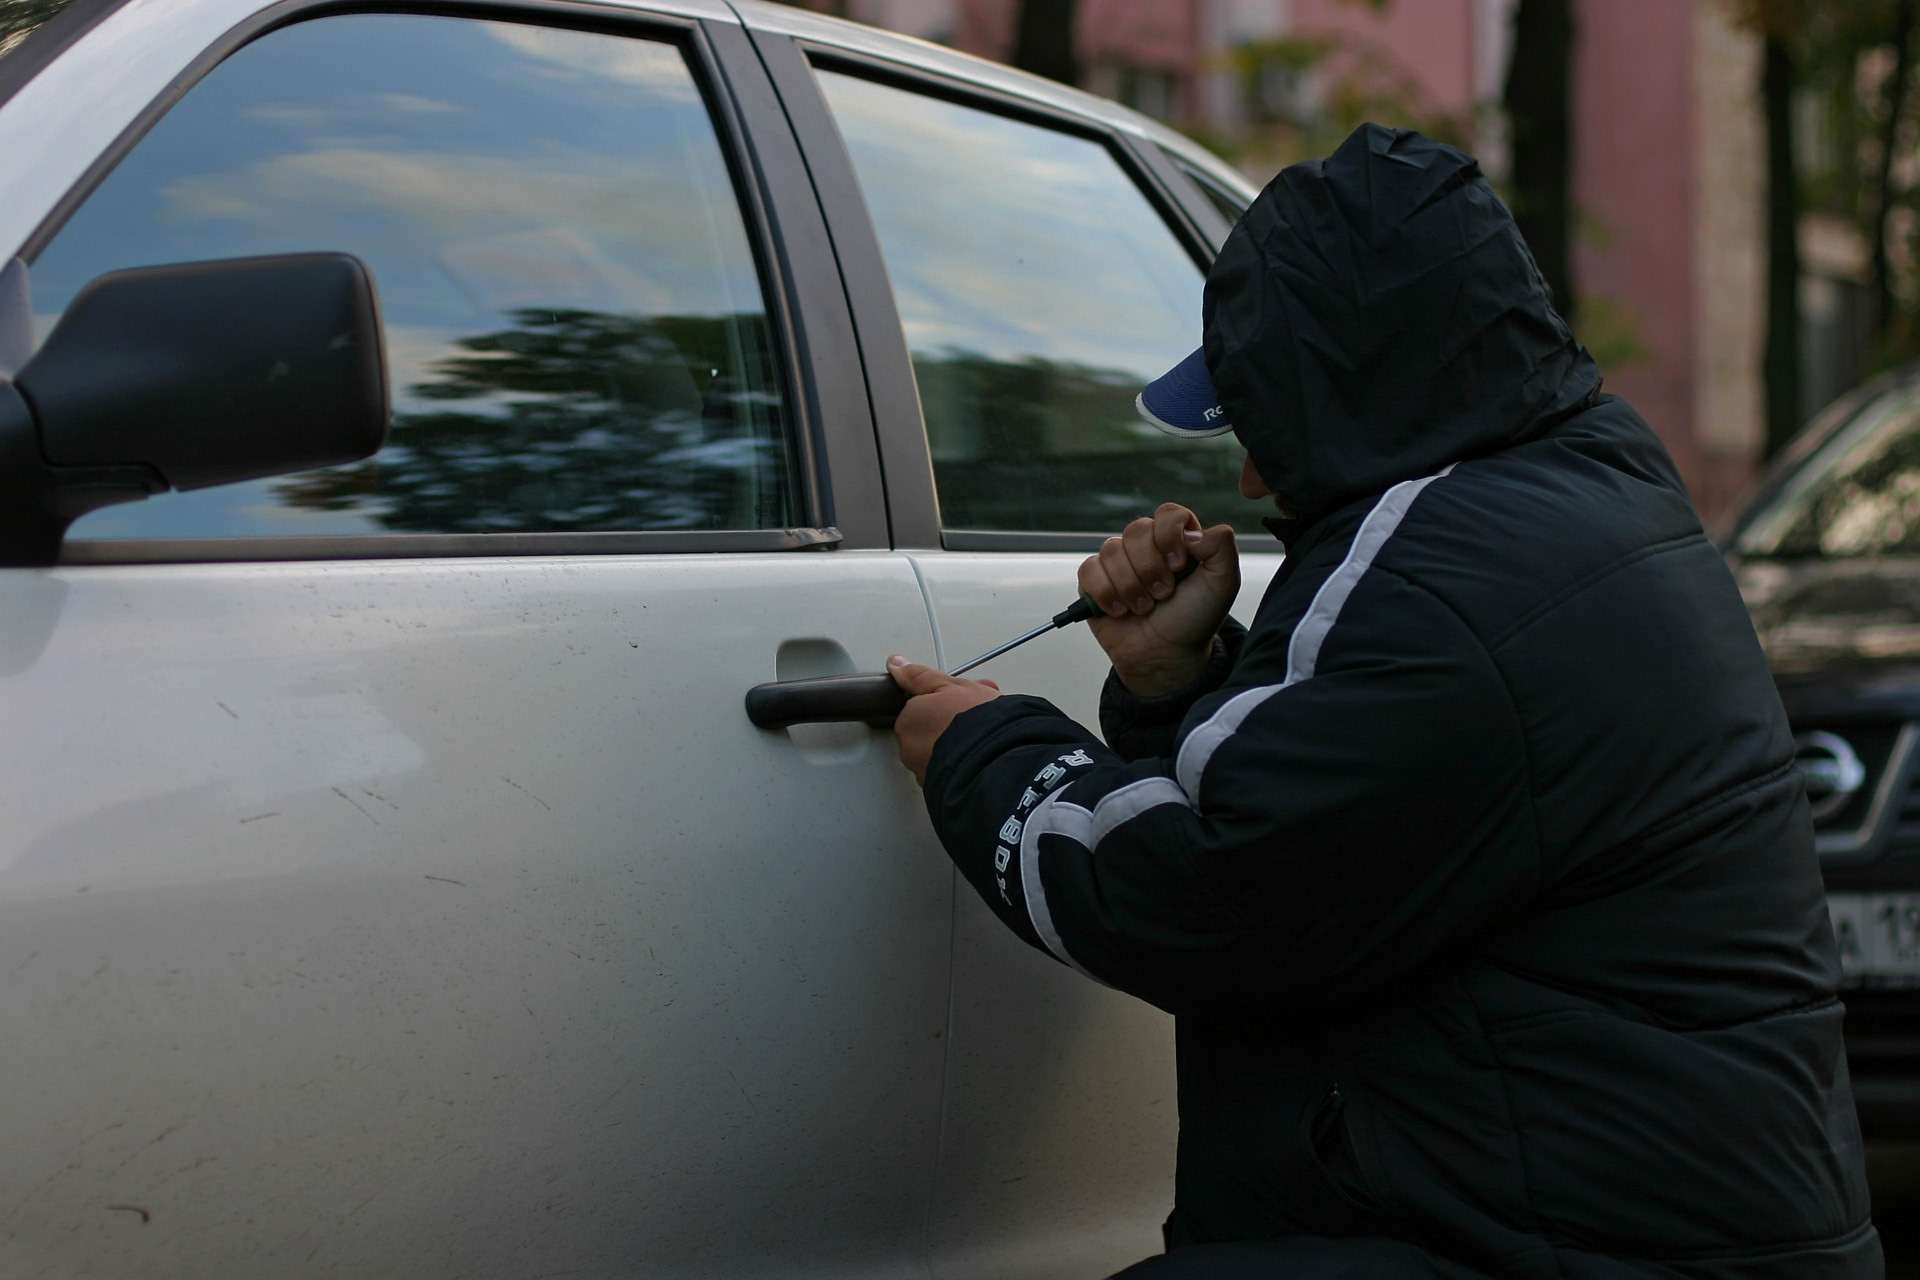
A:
(1061, 1120)
(448, 917)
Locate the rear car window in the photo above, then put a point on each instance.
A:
(575, 328)
(1040, 289)
(1858, 494)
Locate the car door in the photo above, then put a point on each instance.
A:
(390, 881)
(1018, 273)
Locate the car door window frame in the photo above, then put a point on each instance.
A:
(819, 371)
(906, 453)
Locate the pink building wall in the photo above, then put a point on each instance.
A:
(1144, 33)
(1431, 41)
(1633, 186)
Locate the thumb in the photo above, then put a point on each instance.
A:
(1214, 548)
(914, 678)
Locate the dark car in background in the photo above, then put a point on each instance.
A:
(1828, 558)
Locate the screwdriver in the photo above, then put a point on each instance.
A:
(877, 698)
(1081, 610)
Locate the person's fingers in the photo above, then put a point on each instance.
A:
(915, 678)
(992, 684)
(1127, 586)
(1097, 587)
(1148, 561)
(1172, 523)
(1216, 549)
(1124, 588)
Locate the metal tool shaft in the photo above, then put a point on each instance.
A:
(1080, 610)
(1040, 630)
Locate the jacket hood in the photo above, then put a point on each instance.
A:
(1375, 316)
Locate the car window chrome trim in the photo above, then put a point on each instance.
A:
(1035, 540)
(409, 546)
(1868, 840)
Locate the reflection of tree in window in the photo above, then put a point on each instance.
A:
(1048, 445)
(1871, 507)
(587, 421)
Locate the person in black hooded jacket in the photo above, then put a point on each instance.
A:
(1477, 873)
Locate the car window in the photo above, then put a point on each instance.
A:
(1040, 290)
(575, 329)
(1857, 495)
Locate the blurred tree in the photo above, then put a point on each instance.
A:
(1781, 360)
(1538, 99)
(1043, 40)
(1302, 94)
(1841, 139)
(18, 17)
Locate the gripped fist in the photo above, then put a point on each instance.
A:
(937, 699)
(1158, 633)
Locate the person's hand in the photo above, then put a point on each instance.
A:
(937, 699)
(1158, 637)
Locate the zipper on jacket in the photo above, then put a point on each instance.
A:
(1332, 1148)
(1326, 1117)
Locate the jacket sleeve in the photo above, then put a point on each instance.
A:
(1314, 839)
(1138, 727)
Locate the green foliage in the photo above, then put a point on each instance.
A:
(1845, 68)
(18, 17)
(1303, 94)
(1611, 332)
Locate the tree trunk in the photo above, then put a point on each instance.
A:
(1782, 363)
(1043, 42)
(1896, 101)
(1539, 109)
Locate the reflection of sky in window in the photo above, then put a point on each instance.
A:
(1010, 241)
(476, 167)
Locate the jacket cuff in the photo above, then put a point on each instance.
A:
(1138, 727)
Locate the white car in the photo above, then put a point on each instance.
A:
(391, 881)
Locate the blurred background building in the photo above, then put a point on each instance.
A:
(1640, 142)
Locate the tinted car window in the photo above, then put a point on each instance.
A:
(1040, 289)
(1857, 495)
(574, 320)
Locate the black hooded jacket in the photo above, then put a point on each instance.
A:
(1476, 872)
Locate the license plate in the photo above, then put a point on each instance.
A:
(1879, 938)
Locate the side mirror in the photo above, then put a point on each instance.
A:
(186, 376)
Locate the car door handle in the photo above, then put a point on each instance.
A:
(874, 699)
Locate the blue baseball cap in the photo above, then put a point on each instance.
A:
(1182, 401)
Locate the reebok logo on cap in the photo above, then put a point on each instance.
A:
(1182, 401)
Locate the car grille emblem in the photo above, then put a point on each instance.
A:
(1832, 769)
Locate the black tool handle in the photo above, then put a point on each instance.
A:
(870, 699)
(1085, 610)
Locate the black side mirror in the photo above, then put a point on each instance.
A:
(186, 376)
